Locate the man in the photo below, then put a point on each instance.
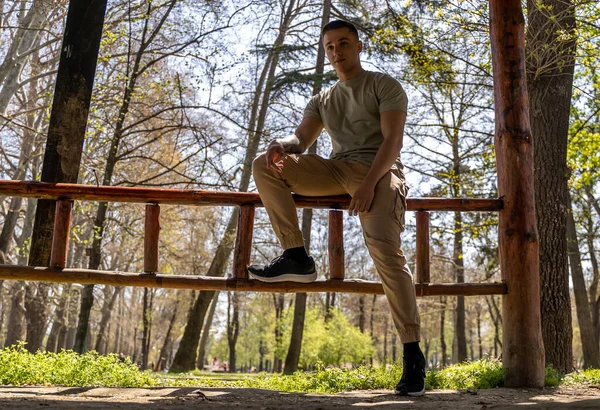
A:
(364, 113)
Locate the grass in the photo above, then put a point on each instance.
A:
(19, 367)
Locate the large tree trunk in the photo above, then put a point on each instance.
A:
(164, 354)
(459, 272)
(66, 132)
(147, 326)
(185, 358)
(550, 85)
(233, 327)
(59, 319)
(293, 356)
(206, 332)
(16, 320)
(111, 161)
(589, 343)
(443, 346)
(279, 303)
(107, 309)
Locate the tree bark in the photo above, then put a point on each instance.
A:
(443, 346)
(164, 350)
(16, 320)
(589, 342)
(107, 309)
(66, 132)
(550, 87)
(185, 358)
(233, 328)
(59, 320)
(293, 355)
(206, 332)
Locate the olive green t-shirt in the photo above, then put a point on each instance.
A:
(349, 111)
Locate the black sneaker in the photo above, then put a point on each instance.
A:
(412, 382)
(285, 269)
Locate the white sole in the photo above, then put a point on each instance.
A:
(288, 277)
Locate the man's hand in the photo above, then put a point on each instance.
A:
(274, 156)
(362, 199)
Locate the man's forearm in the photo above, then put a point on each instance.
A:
(386, 157)
(291, 144)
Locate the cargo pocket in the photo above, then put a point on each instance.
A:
(399, 209)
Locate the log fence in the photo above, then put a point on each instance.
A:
(65, 194)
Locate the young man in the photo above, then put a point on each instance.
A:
(364, 113)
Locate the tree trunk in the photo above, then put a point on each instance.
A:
(185, 358)
(233, 327)
(16, 320)
(589, 343)
(147, 326)
(59, 319)
(550, 85)
(206, 332)
(164, 350)
(442, 330)
(107, 309)
(66, 133)
(293, 355)
(278, 301)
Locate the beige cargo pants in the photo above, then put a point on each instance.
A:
(311, 175)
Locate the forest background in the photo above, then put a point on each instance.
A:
(188, 92)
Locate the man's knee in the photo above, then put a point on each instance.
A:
(259, 166)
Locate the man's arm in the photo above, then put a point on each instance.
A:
(392, 128)
(305, 135)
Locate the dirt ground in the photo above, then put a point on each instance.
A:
(26, 398)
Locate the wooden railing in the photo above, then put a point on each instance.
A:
(64, 194)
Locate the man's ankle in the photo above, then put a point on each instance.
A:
(296, 254)
(412, 349)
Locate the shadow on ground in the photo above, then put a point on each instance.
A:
(22, 398)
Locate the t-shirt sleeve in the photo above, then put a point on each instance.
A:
(391, 95)
(312, 108)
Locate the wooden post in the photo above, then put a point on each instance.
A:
(60, 235)
(336, 245)
(422, 251)
(151, 235)
(522, 348)
(243, 242)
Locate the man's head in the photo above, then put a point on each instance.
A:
(342, 46)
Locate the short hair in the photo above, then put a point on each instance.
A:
(337, 24)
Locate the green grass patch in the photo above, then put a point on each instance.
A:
(19, 367)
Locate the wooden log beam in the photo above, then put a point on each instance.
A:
(218, 198)
(243, 242)
(336, 245)
(422, 248)
(522, 349)
(60, 235)
(151, 236)
(87, 276)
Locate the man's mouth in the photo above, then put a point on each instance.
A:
(339, 60)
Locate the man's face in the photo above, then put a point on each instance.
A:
(342, 48)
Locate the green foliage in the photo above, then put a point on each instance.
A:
(19, 367)
(330, 380)
(584, 377)
(483, 374)
(67, 368)
(553, 378)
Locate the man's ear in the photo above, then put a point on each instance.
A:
(360, 46)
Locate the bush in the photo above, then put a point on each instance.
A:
(482, 374)
(19, 367)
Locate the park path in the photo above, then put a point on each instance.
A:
(66, 398)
